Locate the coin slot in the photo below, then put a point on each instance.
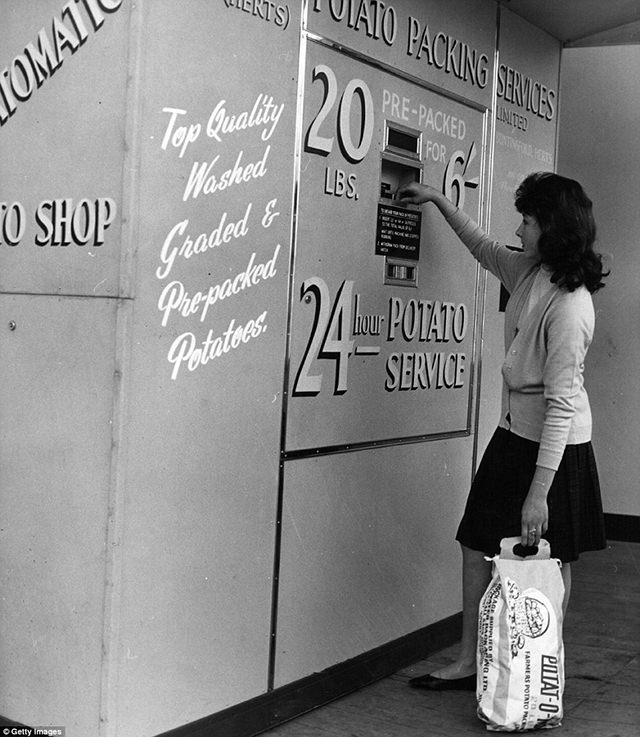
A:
(400, 273)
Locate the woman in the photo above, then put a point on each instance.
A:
(538, 475)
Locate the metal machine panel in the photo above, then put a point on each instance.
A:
(382, 347)
(368, 550)
(62, 141)
(447, 43)
(56, 384)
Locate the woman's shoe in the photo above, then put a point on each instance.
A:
(433, 683)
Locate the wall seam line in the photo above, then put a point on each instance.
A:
(122, 357)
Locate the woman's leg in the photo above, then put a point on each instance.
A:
(476, 575)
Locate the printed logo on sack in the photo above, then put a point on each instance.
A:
(528, 615)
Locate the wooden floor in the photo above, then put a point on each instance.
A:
(602, 663)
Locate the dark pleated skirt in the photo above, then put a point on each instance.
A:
(493, 510)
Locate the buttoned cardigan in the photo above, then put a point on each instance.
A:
(543, 393)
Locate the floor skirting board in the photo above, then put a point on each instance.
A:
(622, 527)
(285, 703)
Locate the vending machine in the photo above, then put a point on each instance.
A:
(242, 384)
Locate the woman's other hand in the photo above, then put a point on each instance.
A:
(416, 193)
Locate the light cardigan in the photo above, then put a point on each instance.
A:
(543, 394)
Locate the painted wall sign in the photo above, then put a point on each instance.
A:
(526, 114)
(223, 168)
(525, 93)
(61, 38)
(447, 42)
(59, 222)
(434, 48)
(63, 127)
(278, 14)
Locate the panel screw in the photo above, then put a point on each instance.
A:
(12, 325)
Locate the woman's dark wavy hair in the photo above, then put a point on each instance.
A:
(564, 213)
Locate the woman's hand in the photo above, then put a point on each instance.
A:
(535, 510)
(535, 518)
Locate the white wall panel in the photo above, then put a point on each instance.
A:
(598, 146)
(56, 382)
(203, 426)
(369, 551)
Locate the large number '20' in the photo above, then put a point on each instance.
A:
(352, 151)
